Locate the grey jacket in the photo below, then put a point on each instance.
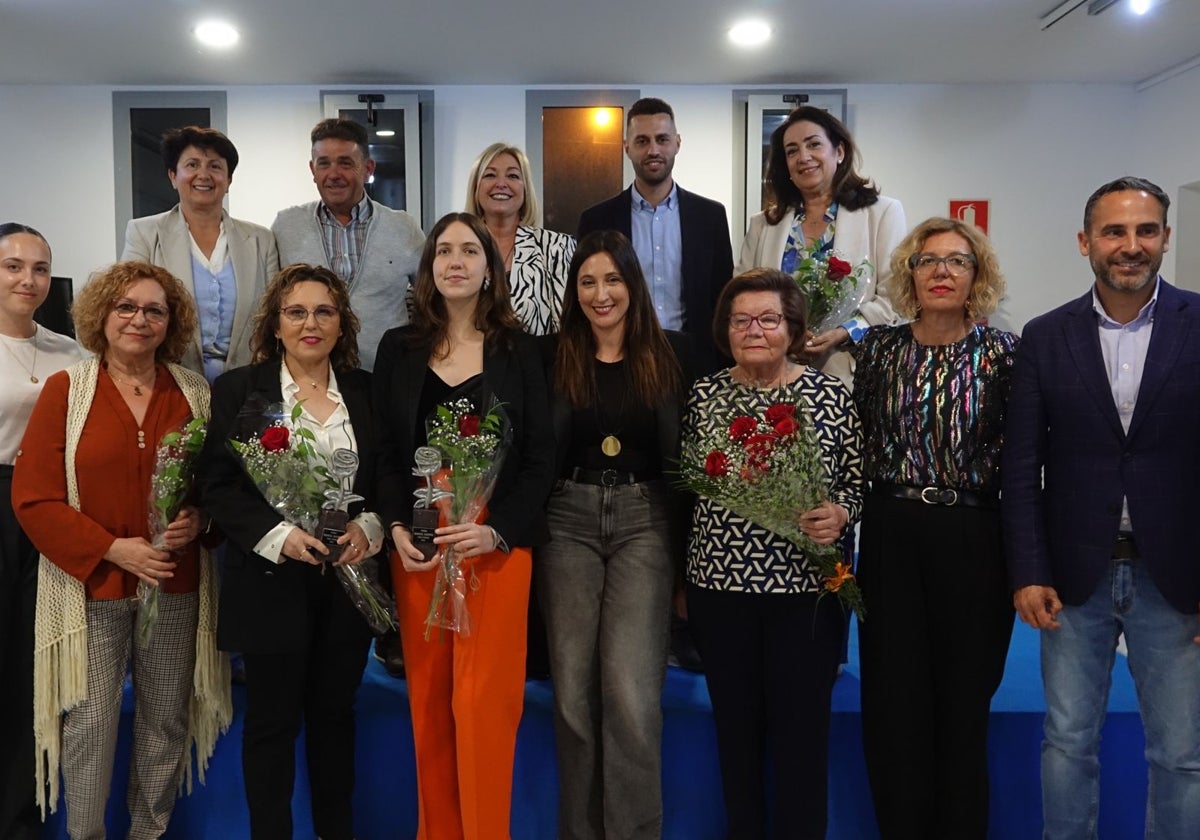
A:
(388, 266)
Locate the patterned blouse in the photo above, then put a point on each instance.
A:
(730, 553)
(933, 415)
(538, 278)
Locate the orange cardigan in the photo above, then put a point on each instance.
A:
(114, 483)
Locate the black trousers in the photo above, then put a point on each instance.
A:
(933, 647)
(770, 662)
(19, 818)
(314, 687)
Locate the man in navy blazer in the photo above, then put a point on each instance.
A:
(1101, 495)
(682, 239)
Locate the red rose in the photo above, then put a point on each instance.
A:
(759, 447)
(716, 464)
(468, 425)
(786, 426)
(275, 439)
(777, 412)
(742, 427)
(839, 268)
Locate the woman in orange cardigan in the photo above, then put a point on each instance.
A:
(465, 691)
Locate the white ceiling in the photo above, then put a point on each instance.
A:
(529, 42)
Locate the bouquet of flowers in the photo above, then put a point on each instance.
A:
(832, 287)
(174, 470)
(472, 445)
(297, 482)
(767, 468)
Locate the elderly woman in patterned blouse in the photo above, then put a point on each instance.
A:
(931, 395)
(769, 642)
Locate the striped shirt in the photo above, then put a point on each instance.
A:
(344, 244)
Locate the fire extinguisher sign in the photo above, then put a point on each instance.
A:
(971, 211)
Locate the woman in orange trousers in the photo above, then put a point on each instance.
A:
(464, 347)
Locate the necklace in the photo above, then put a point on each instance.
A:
(137, 386)
(610, 445)
(33, 366)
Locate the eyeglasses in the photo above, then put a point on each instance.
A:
(154, 314)
(325, 315)
(956, 264)
(767, 320)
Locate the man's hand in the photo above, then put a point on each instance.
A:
(1038, 606)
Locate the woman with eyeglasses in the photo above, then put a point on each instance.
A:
(818, 204)
(303, 641)
(81, 490)
(224, 262)
(769, 641)
(931, 396)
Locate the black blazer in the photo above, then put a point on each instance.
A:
(707, 262)
(264, 605)
(668, 416)
(514, 377)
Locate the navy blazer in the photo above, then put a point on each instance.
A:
(264, 605)
(1067, 461)
(707, 262)
(515, 378)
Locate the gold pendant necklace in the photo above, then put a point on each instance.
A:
(33, 366)
(611, 446)
(137, 388)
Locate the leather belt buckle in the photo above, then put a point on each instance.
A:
(610, 478)
(939, 495)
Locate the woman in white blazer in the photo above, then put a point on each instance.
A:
(819, 202)
(224, 262)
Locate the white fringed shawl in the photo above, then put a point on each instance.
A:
(60, 630)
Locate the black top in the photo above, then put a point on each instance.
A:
(616, 413)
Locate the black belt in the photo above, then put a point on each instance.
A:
(607, 478)
(1125, 548)
(946, 496)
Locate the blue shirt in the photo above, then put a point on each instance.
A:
(1124, 348)
(344, 244)
(215, 287)
(659, 245)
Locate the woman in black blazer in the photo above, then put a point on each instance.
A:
(304, 642)
(617, 532)
(465, 690)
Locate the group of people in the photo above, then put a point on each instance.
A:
(1048, 474)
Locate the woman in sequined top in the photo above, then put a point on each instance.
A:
(770, 643)
(931, 396)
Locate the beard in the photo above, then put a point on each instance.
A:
(655, 178)
(1104, 269)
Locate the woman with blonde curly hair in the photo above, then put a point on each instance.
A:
(931, 397)
(81, 487)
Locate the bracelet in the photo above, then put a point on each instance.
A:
(495, 538)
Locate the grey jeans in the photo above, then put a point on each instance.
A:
(604, 581)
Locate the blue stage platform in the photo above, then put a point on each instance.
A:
(386, 786)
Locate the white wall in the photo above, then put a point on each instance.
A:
(1036, 151)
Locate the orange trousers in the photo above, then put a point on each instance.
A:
(466, 694)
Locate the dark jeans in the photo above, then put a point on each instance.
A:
(770, 662)
(19, 818)
(932, 653)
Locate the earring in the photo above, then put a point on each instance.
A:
(970, 310)
(917, 314)
(487, 282)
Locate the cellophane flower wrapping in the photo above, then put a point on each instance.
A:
(170, 484)
(294, 478)
(766, 467)
(473, 447)
(833, 288)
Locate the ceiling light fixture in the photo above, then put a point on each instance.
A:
(385, 132)
(752, 33)
(1140, 7)
(216, 33)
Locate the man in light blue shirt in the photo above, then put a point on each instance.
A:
(682, 239)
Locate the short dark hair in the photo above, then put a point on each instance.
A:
(1127, 183)
(646, 107)
(795, 312)
(336, 128)
(850, 190)
(175, 140)
(7, 229)
(264, 345)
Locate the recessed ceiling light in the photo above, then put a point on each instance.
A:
(1140, 7)
(216, 33)
(750, 33)
(385, 132)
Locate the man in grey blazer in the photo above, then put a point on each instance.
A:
(373, 248)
